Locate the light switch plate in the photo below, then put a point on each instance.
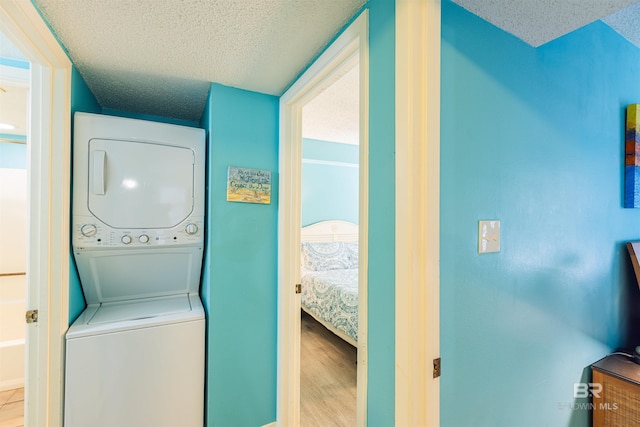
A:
(488, 236)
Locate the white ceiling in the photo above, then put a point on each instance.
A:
(540, 21)
(333, 114)
(626, 22)
(158, 57)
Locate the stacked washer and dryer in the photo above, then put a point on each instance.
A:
(135, 356)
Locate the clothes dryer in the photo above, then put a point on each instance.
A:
(135, 356)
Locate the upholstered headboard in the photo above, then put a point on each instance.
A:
(330, 231)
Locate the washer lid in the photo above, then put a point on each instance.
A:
(138, 184)
(113, 275)
(140, 309)
(128, 316)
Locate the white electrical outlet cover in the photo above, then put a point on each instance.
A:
(488, 236)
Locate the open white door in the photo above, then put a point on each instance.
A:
(351, 45)
(49, 170)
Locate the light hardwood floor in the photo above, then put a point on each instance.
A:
(327, 377)
(12, 408)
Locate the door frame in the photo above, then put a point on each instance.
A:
(49, 170)
(350, 46)
(417, 331)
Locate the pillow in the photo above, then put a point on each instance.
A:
(319, 256)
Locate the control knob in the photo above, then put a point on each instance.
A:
(126, 239)
(191, 228)
(143, 238)
(88, 230)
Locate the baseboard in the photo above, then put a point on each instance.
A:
(14, 383)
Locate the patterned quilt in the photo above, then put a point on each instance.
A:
(332, 296)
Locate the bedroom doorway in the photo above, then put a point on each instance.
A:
(329, 272)
(344, 62)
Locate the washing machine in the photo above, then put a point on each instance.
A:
(135, 356)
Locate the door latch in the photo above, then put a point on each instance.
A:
(437, 368)
(298, 288)
(31, 316)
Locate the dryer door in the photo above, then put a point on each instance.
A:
(139, 184)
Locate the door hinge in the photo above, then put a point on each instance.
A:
(436, 367)
(298, 288)
(31, 316)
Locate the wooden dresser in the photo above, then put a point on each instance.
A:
(617, 402)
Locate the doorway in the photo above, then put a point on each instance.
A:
(14, 93)
(348, 49)
(48, 165)
(329, 275)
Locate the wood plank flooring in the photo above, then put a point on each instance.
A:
(12, 408)
(327, 377)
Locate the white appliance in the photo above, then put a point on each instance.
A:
(135, 356)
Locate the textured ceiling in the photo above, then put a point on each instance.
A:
(540, 21)
(626, 22)
(333, 114)
(158, 56)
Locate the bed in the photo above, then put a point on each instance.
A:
(329, 275)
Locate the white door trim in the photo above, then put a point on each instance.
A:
(49, 170)
(417, 393)
(351, 45)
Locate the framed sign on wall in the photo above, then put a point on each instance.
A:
(248, 185)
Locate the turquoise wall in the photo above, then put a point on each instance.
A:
(329, 181)
(239, 285)
(17, 63)
(381, 277)
(81, 100)
(12, 155)
(533, 137)
(240, 278)
(14, 138)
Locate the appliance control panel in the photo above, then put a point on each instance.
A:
(88, 232)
